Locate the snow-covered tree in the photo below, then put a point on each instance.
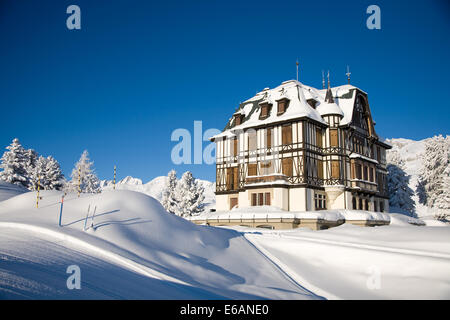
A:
(54, 174)
(169, 200)
(435, 161)
(47, 173)
(38, 174)
(442, 203)
(400, 194)
(15, 164)
(84, 171)
(189, 194)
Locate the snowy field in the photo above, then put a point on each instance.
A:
(133, 249)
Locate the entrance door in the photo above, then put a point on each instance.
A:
(233, 202)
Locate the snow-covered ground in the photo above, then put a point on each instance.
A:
(132, 239)
(8, 190)
(350, 262)
(135, 250)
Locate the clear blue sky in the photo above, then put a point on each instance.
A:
(137, 70)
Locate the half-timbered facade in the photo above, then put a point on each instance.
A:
(302, 149)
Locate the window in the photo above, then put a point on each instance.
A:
(334, 141)
(269, 137)
(320, 201)
(319, 137)
(265, 109)
(267, 199)
(360, 207)
(238, 119)
(232, 178)
(282, 105)
(286, 134)
(371, 175)
(378, 154)
(366, 205)
(382, 206)
(235, 146)
(252, 169)
(365, 173)
(254, 199)
(261, 199)
(358, 171)
(251, 140)
(320, 169)
(266, 167)
(354, 203)
(335, 169)
(233, 203)
(286, 164)
(375, 206)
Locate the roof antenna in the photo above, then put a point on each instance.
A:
(348, 74)
(323, 80)
(297, 68)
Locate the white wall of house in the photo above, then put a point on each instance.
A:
(222, 202)
(297, 199)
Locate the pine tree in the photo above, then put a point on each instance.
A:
(37, 174)
(54, 176)
(400, 194)
(89, 183)
(443, 202)
(169, 201)
(47, 173)
(435, 161)
(15, 164)
(190, 196)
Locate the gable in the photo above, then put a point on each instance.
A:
(361, 116)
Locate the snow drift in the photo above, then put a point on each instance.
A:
(133, 236)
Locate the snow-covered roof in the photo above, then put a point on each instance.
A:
(298, 95)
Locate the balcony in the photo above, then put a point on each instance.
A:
(364, 185)
(270, 178)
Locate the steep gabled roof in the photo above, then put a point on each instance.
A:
(340, 101)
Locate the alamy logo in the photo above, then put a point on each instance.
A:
(374, 20)
(74, 280)
(74, 20)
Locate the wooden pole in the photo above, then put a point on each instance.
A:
(114, 181)
(38, 187)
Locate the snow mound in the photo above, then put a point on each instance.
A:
(8, 190)
(133, 231)
(155, 188)
(398, 219)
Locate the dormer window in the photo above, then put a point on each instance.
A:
(238, 119)
(312, 103)
(282, 105)
(265, 110)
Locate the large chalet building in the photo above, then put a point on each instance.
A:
(302, 149)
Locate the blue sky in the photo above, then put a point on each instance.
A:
(137, 70)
